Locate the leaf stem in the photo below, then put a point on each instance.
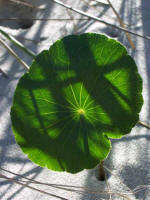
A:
(101, 171)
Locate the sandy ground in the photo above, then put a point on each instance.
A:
(129, 160)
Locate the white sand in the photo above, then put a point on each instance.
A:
(129, 160)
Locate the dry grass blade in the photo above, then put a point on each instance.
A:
(44, 19)
(65, 187)
(3, 73)
(140, 188)
(62, 198)
(27, 186)
(24, 4)
(3, 43)
(121, 24)
(17, 43)
(98, 19)
(59, 186)
(105, 4)
(144, 124)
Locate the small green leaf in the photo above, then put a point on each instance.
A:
(82, 91)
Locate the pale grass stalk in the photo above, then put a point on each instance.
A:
(120, 182)
(25, 4)
(121, 24)
(3, 73)
(105, 4)
(45, 19)
(144, 124)
(97, 19)
(93, 6)
(11, 51)
(62, 198)
(108, 187)
(17, 43)
(69, 187)
(30, 187)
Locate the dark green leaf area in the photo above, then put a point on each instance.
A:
(82, 91)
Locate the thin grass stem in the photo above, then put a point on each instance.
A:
(11, 51)
(121, 24)
(17, 43)
(98, 19)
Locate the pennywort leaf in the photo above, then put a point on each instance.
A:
(82, 91)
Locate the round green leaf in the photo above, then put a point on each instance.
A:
(82, 91)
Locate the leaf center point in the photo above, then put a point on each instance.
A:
(81, 111)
